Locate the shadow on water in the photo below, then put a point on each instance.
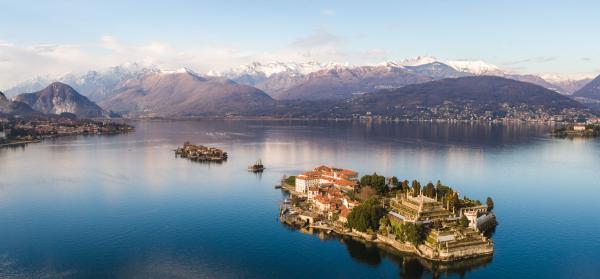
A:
(410, 266)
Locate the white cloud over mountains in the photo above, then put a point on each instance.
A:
(23, 62)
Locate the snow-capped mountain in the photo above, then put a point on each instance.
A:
(95, 84)
(417, 61)
(568, 84)
(269, 69)
(475, 67)
(183, 92)
(183, 70)
(331, 80)
(306, 80)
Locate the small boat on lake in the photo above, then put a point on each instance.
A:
(257, 167)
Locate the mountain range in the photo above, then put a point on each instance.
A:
(324, 81)
(473, 97)
(183, 93)
(8, 107)
(304, 81)
(302, 89)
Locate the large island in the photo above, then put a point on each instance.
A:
(431, 221)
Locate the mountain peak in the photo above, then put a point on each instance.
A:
(271, 68)
(476, 67)
(59, 97)
(418, 61)
(590, 90)
(183, 70)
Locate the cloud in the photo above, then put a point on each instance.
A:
(327, 12)
(537, 60)
(23, 62)
(586, 59)
(319, 37)
(19, 63)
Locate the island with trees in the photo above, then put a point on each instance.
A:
(201, 153)
(430, 221)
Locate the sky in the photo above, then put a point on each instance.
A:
(56, 37)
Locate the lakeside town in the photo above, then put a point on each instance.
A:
(14, 131)
(432, 221)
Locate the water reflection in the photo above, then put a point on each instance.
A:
(410, 266)
(107, 206)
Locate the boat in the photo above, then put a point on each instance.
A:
(257, 167)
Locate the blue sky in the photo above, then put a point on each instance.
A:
(523, 36)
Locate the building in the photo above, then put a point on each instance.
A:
(472, 213)
(343, 179)
(579, 127)
(322, 203)
(313, 191)
(479, 217)
(419, 209)
(344, 212)
(306, 180)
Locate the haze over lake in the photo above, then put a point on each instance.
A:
(125, 206)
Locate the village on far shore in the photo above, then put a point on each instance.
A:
(22, 131)
(577, 130)
(432, 222)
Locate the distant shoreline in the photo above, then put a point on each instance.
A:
(10, 144)
(257, 118)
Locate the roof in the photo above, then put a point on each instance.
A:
(344, 212)
(344, 182)
(323, 168)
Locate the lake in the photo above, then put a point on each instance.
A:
(125, 207)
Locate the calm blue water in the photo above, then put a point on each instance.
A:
(125, 207)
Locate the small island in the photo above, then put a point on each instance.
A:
(200, 153)
(432, 222)
(577, 130)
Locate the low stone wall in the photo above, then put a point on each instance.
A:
(455, 254)
(396, 244)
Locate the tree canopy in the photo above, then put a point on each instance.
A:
(290, 180)
(408, 232)
(376, 181)
(366, 216)
(429, 190)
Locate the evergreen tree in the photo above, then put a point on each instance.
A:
(490, 204)
(416, 187)
(464, 222)
(395, 182)
(404, 185)
(455, 202)
(429, 190)
(366, 216)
